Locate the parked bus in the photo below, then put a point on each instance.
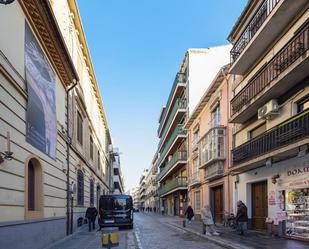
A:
(116, 210)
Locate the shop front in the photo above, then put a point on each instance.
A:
(286, 207)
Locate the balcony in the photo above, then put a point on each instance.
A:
(177, 88)
(179, 109)
(194, 179)
(287, 133)
(268, 22)
(178, 159)
(174, 185)
(287, 68)
(171, 145)
(212, 147)
(214, 171)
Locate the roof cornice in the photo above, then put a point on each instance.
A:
(82, 38)
(42, 20)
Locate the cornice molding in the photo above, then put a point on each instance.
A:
(42, 20)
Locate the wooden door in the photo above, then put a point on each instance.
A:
(218, 204)
(259, 205)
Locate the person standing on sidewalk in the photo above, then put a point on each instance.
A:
(241, 218)
(208, 222)
(91, 215)
(189, 214)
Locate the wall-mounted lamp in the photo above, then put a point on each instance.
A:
(274, 178)
(7, 155)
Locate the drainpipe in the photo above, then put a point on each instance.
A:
(68, 143)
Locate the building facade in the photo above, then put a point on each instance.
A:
(189, 85)
(54, 136)
(209, 141)
(118, 181)
(269, 107)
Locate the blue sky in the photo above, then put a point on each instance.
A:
(137, 47)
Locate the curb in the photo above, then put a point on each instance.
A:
(67, 237)
(216, 240)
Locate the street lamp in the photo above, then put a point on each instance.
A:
(6, 1)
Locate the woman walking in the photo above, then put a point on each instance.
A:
(208, 222)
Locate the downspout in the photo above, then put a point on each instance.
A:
(68, 143)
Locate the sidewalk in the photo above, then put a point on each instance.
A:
(229, 239)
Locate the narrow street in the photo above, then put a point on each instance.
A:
(150, 232)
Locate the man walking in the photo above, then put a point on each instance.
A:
(241, 217)
(91, 215)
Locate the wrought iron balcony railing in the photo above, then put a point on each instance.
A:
(194, 179)
(173, 185)
(294, 129)
(293, 50)
(253, 27)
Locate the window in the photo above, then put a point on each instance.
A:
(257, 131)
(31, 187)
(195, 138)
(99, 161)
(215, 116)
(195, 165)
(33, 190)
(212, 146)
(80, 188)
(91, 148)
(79, 128)
(303, 105)
(197, 201)
(91, 192)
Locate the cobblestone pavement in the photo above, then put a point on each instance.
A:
(149, 233)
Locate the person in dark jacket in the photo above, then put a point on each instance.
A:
(189, 214)
(91, 215)
(241, 217)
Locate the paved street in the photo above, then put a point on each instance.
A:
(150, 232)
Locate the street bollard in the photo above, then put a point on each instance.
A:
(110, 237)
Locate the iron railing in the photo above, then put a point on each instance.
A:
(180, 78)
(288, 132)
(177, 157)
(195, 178)
(254, 25)
(173, 185)
(293, 50)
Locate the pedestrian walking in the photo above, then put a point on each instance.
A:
(241, 218)
(189, 214)
(208, 222)
(91, 215)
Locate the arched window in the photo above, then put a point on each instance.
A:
(80, 188)
(33, 189)
(91, 192)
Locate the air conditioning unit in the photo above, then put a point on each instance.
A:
(269, 109)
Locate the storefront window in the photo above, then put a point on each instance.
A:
(297, 207)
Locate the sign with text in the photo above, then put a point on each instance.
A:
(41, 121)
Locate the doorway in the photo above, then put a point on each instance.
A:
(218, 203)
(259, 205)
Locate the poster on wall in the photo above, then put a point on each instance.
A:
(41, 122)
